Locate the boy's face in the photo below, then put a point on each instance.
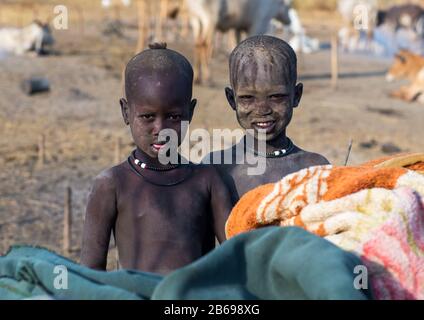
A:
(156, 103)
(263, 98)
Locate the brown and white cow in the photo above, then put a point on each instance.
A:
(410, 66)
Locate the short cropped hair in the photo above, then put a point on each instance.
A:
(273, 49)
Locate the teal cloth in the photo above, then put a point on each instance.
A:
(269, 263)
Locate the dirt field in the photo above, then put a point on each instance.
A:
(80, 119)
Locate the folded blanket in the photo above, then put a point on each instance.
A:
(272, 203)
(264, 264)
(375, 211)
(411, 161)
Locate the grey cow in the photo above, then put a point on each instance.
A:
(250, 16)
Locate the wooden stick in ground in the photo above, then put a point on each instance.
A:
(81, 21)
(117, 156)
(141, 9)
(185, 21)
(35, 14)
(41, 150)
(117, 11)
(159, 19)
(334, 62)
(349, 149)
(116, 255)
(67, 221)
(21, 15)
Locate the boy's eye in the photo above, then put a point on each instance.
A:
(146, 116)
(246, 97)
(277, 96)
(174, 117)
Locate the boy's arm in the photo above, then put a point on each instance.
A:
(221, 205)
(100, 218)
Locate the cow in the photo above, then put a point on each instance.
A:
(295, 34)
(405, 66)
(359, 16)
(410, 66)
(34, 37)
(250, 16)
(408, 16)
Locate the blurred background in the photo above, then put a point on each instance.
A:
(60, 85)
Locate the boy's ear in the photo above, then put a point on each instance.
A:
(298, 92)
(229, 93)
(193, 104)
(125, 110)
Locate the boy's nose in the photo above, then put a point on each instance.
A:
(263, 108)
(158, 126)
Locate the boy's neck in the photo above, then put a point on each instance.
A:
(148, 160)
(281, 142)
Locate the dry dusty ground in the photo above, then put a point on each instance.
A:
(81, 120)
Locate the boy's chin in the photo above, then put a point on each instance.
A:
(267, 137)
(161, 154)
(151, 153)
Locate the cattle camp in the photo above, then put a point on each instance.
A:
(178, 149)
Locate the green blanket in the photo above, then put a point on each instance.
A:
(270, 263)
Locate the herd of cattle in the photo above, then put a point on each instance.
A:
(362, 18)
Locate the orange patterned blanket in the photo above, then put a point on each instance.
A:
(375, 210)
(274, 204)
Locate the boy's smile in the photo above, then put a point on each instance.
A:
(263, 108)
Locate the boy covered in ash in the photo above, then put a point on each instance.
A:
(163, 216)
(264, 92)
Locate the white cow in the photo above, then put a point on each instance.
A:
(295, 34)
(250, 16)
(33, 37)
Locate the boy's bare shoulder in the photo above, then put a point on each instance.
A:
(218, 157)
(309, 158)
(106, 180)
(206, 170)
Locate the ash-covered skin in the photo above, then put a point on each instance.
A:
(157, 228)
(264, 92)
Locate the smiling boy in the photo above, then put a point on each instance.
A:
(163, 216)
(264, 92)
